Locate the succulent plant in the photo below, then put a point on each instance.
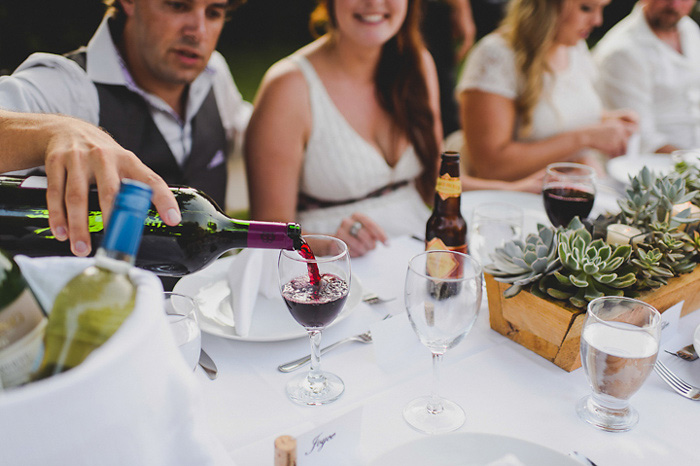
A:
(590, 269)
(521, 263)
(676, 247)
(651, 273)
(639, 206)
(651, 199)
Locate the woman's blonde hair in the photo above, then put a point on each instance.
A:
(529, 27)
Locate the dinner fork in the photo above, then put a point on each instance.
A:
(365, 337)
(678, 384)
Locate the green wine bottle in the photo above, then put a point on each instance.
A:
(21, 325)
(204, 234)
(92, 306)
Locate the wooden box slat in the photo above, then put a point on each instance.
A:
(554, 332)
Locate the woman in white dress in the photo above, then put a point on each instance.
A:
(345, 135)
(527, 97)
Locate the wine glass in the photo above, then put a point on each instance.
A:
(568, 191)
(180, 310)
(619, 345)
(314, 283)
(443, 296)
(493, 224)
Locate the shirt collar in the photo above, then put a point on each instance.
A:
(105, 65)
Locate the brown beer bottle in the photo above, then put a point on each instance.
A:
(446, 228)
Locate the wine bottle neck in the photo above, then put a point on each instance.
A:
(114, 261)
(272, 235)
(123, 234)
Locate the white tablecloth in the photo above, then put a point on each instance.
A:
(503, 387)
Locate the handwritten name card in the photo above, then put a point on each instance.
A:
(333, 443)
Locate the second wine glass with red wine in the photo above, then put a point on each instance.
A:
(568, 191)
(314, 283)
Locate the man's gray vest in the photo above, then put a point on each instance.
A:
(125, 115)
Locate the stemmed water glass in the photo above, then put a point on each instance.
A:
(619, 345)
(568, 191)
(182, 316)
(315, 289)
(443, 296)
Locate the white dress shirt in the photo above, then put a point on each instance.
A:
(48, 83)
(639, 71)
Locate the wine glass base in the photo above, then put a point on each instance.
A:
(417, 414)
(325, 389)
(609, 420)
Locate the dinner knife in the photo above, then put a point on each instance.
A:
(208, 365)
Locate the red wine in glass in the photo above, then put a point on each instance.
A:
(306, 252)
(315, 305)
(563, 203)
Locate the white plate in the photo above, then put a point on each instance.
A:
(621, 168)
(271, 319)
(531, 204)
(472, 449)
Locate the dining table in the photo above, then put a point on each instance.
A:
(504, 388)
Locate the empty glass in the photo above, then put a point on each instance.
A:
(180, 310)
(492, 225)
(619, 345)
(443, 296)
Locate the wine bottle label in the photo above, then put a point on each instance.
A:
(448, 186)
(19, 318)
(34, 182)
(21, 331)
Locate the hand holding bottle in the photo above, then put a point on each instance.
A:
(76, 154)
(86, 154)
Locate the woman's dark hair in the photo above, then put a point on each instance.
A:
(402, 90)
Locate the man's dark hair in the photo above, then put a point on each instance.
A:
(116, 11)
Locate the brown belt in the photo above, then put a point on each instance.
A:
(306, 202)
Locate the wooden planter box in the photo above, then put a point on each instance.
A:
(554, 332)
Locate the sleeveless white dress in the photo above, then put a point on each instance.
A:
(339, 165)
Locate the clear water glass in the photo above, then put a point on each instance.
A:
(492, 225)
(619, 346)
(182, 316)
(443, 295)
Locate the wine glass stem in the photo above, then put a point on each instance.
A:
(315, 371)
(435, 404)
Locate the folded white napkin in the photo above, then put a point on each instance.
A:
(132, 401)
(253, 272)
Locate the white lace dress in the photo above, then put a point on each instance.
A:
(569, 99)
(339, 166)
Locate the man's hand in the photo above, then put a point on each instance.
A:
(76, 154)
(79, 155)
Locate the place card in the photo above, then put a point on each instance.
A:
(335, 442)
(670, 319)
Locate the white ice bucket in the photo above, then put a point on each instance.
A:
(132, 402)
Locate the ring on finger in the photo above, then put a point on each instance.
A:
(355, 229)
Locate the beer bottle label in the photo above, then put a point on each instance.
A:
(448, 186)
(443, 265)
